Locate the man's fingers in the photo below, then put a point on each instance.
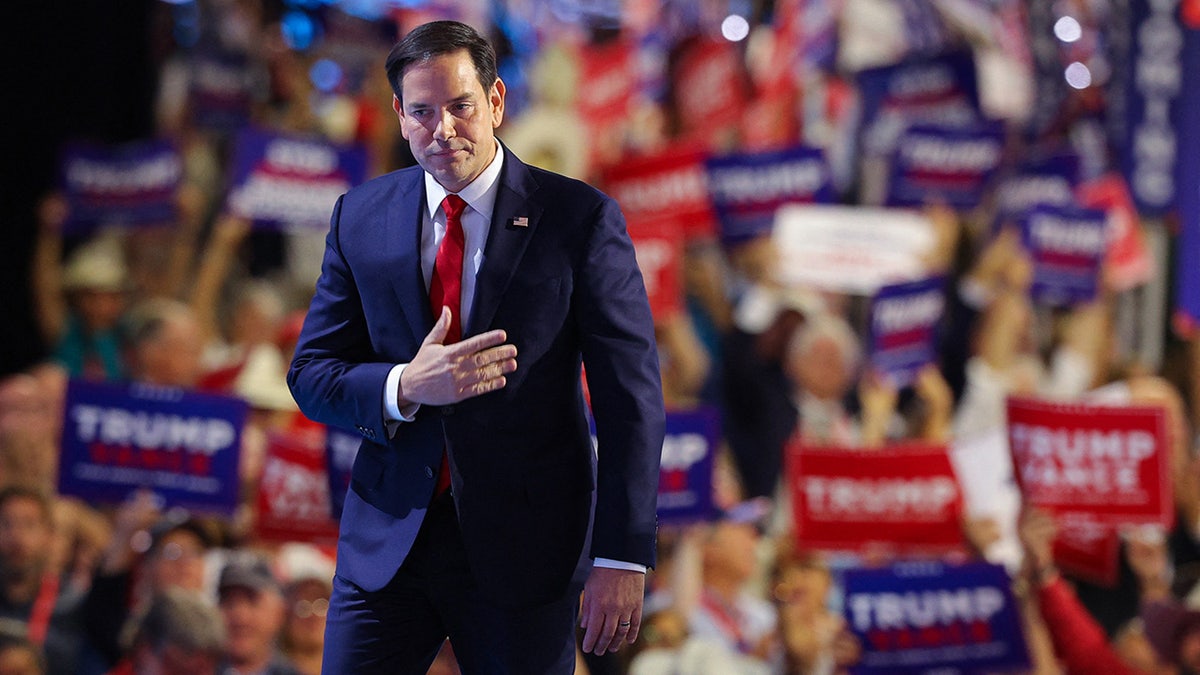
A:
(635, 626)
(604, 639)
(478, 343)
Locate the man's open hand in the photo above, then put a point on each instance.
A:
(441, 374)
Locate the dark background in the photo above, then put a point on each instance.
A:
(71, 69)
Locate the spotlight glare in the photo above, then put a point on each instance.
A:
(735, 28)
(1068, 29)
(1078, 76)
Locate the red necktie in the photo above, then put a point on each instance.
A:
(445, 289)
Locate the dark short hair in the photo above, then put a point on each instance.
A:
(441, 37)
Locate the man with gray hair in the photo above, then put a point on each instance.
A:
(179, 633)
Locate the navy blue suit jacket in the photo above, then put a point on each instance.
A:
(566, 288)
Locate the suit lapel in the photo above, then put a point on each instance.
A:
(514, 221)
(402, 243)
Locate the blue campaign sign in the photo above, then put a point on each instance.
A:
(904, 319)
(1067, 246)
(946, 164)
(281, 181)
(747, 188)
(1187, 267)
(939, 90)
(341, 447)
(182, 445)
(685, 482)
(222, 88)
(924, 617)
(129, 184)
(1048, 180)
(1154, 121)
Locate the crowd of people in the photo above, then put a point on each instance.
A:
(206, 302)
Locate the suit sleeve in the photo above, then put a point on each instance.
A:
(617, 336)
(335, 376)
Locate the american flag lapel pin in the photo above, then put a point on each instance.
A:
(520, 221)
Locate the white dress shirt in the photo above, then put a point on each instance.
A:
(480, 196)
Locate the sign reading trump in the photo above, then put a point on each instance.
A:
(1106, 462)
(904, 319)
(930, 617)
(124, 184)
(182, 445)
(903, 499)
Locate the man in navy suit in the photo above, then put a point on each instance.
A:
(548, 282)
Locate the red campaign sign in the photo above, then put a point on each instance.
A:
(1106, 463)
(1088, 550)
(1129, 261)
(672, 184)
(606, 75)
(659, 247)
(901, 499)
(293, 495)
(710, 88)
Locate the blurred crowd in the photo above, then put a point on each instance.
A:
(210, 303)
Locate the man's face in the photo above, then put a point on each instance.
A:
(25, 537)
(253, 620)
(177, 562)
(448, 119)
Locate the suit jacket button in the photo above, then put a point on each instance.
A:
(429, 472)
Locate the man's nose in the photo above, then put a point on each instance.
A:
(445, 127)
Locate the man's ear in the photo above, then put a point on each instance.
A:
(496, 100)
(399, 115)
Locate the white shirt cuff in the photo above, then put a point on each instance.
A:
(618, 565)
(391, 398)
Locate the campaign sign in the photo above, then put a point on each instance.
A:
(1109, 463)
(685, 479)
(1128, 261)
(658, 245)
(606, 68)
(1155, 123)
(341, 447)
(951, 165)
(710, 88)
(290, 181)
(1067, 247)
(747, 189)
(1088, 550)
(851, 249)
(294, 495)
(1045, 181)
(940, 90)
(182, 445)
(903, 499)
(222, 83)
(127, 184)
(1187, 264)
(904, 319)
(671, 184)
(931, 617)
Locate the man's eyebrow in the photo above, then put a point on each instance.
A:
(413, 105)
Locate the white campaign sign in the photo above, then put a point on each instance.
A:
(851, 249)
